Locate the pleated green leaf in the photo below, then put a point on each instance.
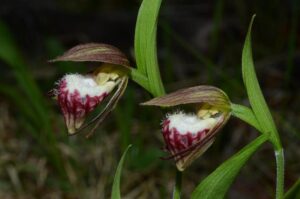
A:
(261, 110)
(116, 193)
(256, 98)
(216, 185)
(145, 44)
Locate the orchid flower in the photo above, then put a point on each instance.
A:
(79, 94)
(188, 135)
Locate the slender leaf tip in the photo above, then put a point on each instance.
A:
(116, 184)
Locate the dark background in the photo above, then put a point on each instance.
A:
(199, 42)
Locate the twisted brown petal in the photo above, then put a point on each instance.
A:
(110, 106)
(193, 95)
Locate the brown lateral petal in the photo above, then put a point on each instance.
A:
(198, 94)
(94, 52)
(110, 106)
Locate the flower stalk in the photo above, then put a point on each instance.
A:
(178, 185)
(279, 155)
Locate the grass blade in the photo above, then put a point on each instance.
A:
(217, 183)
(115, 194)
(294, 191)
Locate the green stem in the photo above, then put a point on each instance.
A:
(139, 78)
(177, 187)
(145, 47)
(246, 114)
(279, 154)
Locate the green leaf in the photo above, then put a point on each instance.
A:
(255, 95)
(145, 44)
(261, 110)
(115, 194)
(294, 191)
(246, 114)
(217, 183)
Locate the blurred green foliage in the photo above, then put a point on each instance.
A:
(32, 107)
